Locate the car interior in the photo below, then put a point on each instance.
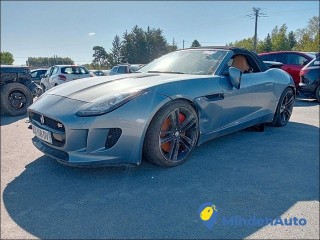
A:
(245, 64)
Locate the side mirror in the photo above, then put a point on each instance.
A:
(41, 76)
(316, 63)
(235, 77)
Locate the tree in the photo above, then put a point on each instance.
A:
(141, 46)
(292, 40)
(195, 43)
(279, 39)
(308, 37)
(100, 56)
(6, 58)
(45, 62)
(244, 43)
(267, 44)
(115, 55)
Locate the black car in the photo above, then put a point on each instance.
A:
(37, 73)
(309, 84)
(17, 89)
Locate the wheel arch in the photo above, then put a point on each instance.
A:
(168, 100)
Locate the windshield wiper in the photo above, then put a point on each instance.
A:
(166, 72)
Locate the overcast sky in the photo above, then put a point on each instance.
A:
(73, 28)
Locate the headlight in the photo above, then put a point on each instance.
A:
(107, 105)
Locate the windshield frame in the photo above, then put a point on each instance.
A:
(200, 56)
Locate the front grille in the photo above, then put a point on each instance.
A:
(113, 136)
(55, 127)
(51, 123)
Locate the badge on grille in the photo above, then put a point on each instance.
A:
(42, 119)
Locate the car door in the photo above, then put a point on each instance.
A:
(294, 63)
(251, 101)
(53, 77)
(45, 80)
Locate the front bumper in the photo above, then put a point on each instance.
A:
(84, 140)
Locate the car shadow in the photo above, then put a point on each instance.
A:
(246, 174)
(6, 120)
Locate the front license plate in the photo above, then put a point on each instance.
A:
(42, 134)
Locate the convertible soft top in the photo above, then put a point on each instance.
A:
(243, 51)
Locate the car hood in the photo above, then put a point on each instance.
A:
(90, 89)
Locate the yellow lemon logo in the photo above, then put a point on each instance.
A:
(207, 212)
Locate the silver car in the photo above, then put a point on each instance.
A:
(161, 113)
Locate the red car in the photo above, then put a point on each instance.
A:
(292, 61)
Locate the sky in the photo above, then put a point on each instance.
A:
(73, 28)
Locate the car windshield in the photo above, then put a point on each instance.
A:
(191, 61)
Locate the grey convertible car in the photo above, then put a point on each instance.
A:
(161, 113)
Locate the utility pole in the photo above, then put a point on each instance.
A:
(182, 44)
(256, 14)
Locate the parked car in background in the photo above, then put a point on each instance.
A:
(292, 61)
(37, 73)
(59, 74)
(310, 79)
(17, 89)
(44, 82)
(94, 73)
(164, 111)
(125, 68)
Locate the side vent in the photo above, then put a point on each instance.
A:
(112, 137)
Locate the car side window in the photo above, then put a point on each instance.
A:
(295, 59)
(55, 70)
(122, 69)
(34, 74)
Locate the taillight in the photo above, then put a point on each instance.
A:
(62, 77)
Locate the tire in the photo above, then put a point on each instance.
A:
(15, 99)
(284, 108)
(172, 134)
(318, 93)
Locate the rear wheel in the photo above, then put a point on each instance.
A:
(318, 93)
(284, 108)
(15, 99)
(172, 135)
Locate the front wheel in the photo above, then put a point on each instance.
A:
(172, 135)
(284, 108)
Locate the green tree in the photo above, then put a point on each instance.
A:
(292, 40)
(100, 57)
(267, 44)
(195, 43)
(6, 58)
(279, 39)
(244, 43)
(45, 62)
(141, 46)
(115, 55)
(308, 37)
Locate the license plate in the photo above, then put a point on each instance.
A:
(42, 134)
